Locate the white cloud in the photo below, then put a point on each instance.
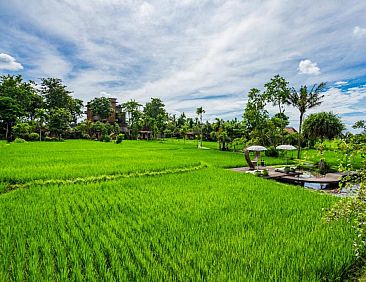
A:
(146, 10)
(9, 63)
(183, 51)
(308, 67)
(104, 94)
(341, 83)
(359, 31)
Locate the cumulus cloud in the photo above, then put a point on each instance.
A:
(359, 31)
(308, 67)
(9, 63)
(184, 52)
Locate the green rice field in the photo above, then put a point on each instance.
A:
(147, 211)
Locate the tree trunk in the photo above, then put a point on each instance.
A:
(299, 137)
(201, 131)
(129, 126)
(279, 107)
(40, 134)
(7, 131)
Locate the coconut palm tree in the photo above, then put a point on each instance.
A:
(304, 100)
(200, 111)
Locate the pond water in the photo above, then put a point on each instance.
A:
(316, 186)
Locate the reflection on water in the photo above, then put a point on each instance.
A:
(305, 175)
(316, 186)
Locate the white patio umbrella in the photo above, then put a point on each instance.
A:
(287, 148)
(256, 148)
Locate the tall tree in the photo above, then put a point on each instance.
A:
(155, 115)
(19, 99)
(133, 111)
(9, 113)
(181, 119)
(277, 92)
(101, 107)
(255, 115)
(59, 121)
(57, 96)
(200, 111)
(184, 130)
(304, 100)
(41, 116)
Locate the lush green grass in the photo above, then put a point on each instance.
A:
(332, 157)
(210, 224)
(71, 159)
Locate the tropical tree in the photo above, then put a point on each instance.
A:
(184, 130)
(9, 113)
(155, 116)
(322, 125)
(200, 111)
(133, 111)
(57, 96)
(277, 92)
(85, 127)
(59, 121)
(361, 124)
(181, 119)
(41, 116)
(304, 100)
(18, 101)
(22, 130)
(101, 107)
(223, 139)
(255, 115)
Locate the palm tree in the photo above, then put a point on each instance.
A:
(200, 111)
(303, 101)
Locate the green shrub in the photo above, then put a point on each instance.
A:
(271, 152)
(106, 138)
(52, 139)
(257, 173)
(33, 136)
(265, 172)
(120, 138)
(323, 167)
(19, 140)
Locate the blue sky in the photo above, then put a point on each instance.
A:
(190, 53)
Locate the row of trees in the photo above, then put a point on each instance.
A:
(50, 108)
(263, 129)
(35, 105)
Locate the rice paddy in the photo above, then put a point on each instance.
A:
(158, 211)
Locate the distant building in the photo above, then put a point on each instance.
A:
(116, 116)
(290, 130)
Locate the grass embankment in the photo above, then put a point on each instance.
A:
(209, 224)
